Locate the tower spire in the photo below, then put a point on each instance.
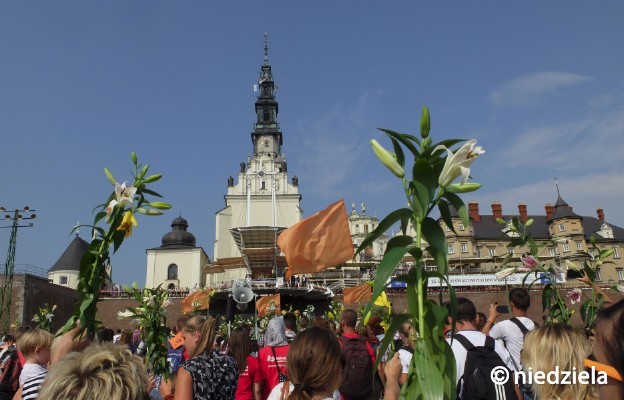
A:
(266, 48)
(556, 183)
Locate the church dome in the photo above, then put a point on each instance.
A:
(178, 237)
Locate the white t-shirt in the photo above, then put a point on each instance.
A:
(277, 392)
(30, 371)
(509, 333)
(406, 359)
(477, 339)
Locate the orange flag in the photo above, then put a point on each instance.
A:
(358, 294)
(262, 304)
(318, 242)
(199, 300)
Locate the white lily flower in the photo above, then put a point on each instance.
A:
(35, 318)
(459, 163)
(167, 303)
(149, 300)
(505, 273)
(49, 317)
(124, 196)
(125, 314)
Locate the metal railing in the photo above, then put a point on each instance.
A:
(27, 269)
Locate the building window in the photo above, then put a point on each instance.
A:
(461, 227)
(566, 247)
(615, 253)
(561, 227)
(446, 228)
(598, 278)
(620, 273)
(451, 250)
(266, 143)
(579, 245)
(492, 252)
(172, 272)
(478, 252)
(262, 185)
(365, 228)
(63, 280)
(464, 248)
(357, 228)
(511, 250)
(551, 251)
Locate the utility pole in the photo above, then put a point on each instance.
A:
(9, 266)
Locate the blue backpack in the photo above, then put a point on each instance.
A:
(175, 358)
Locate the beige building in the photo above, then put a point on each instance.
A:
(560, 232)
(178, 263)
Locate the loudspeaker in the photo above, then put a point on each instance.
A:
(242, 294)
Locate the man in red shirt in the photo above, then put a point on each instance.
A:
(359, 357)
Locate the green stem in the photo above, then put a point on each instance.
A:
(421, 295)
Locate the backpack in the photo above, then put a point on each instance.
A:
(175, 358)
(9, 380)
(476, 383)
(357, 380)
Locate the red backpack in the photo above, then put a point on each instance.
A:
(9, 380)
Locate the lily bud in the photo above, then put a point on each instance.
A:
(109, 176)
(134, 158)
(529, 222)
(571, 265)
(387, 158)
(146, 211)
(463, 187)
(501, 221)
(153, 178)
(160, 205)
(425, 122)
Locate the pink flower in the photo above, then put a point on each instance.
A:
(529, 263)
(575, 295)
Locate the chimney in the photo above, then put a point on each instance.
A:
(523, 212)
(550, 210)
(497, 210)
(600, 213)
(473, 210)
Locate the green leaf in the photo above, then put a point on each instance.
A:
(403, 139)
(384, 271)
(399, 241)
(151, 192)
(118, 238)
(398, 151)
(429, 380)
(425, 181)
(109, 176)
(434, 235)
(546, 295)
(445, 213)
(440, 258)
(459, 205)
(412, 138)
(99, 216)
(383, 226)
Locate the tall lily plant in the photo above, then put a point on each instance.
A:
(432, 185)
(119, 213)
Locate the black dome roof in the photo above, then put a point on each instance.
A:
(178, 237)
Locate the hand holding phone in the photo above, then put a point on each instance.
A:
(502, 309)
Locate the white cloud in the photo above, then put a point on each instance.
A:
(335, 148)
(528, 89)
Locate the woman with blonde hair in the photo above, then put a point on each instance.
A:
(557, 345)
(206, 374)
(314, 365)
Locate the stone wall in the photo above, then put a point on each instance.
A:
(29, 292)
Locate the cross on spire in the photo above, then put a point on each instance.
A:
(266, 48)
(556, 183)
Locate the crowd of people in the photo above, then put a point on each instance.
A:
(318, 360)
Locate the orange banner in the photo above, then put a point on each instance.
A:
(199, 300)
(359, 294)
(262, 304)
(319, 242)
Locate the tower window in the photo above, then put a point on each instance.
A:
(265, 116)
(365, 228)
(461, 227)
(561, 227)
(172, 272)
(63, 280)
(579, 245)
(266, 143)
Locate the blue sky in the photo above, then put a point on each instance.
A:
(538, 84)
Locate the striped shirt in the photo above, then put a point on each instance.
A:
(32, 386)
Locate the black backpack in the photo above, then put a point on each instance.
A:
(476, 383)
(357, 379)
